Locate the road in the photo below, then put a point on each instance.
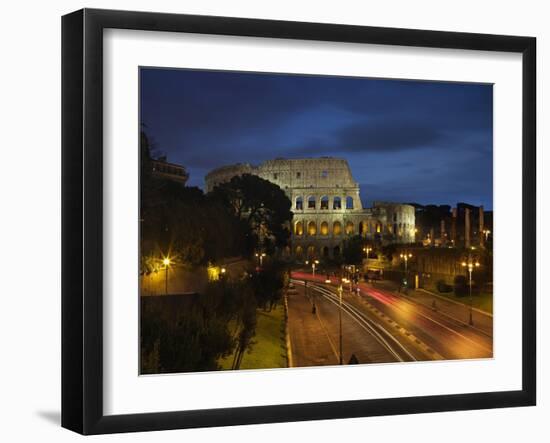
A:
(378, 326)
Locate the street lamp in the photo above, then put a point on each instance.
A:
(260, 257)
(166, 262)
(340, 290)
(405, 257)
(470, 264)
(367, 250)
(486, 232)
(314, 263)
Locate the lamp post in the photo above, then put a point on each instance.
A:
(166, 262)
(340, 290)
(314, 263)
(367, 250)
(260, 257)
(470, 264)
(486, 232)
(405, 257)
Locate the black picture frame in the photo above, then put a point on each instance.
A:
(82, 218)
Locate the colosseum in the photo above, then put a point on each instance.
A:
(326, 205)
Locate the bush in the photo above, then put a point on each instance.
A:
(461, 286)
(443, 287)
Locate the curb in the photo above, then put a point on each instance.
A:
(289, 361)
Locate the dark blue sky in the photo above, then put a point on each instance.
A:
(406, 141)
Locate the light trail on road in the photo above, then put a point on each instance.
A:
(373, 328)
(403, 305)
(435, 335)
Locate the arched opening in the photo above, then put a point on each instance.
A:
(312, 228)
(310, 252)
(325, 252)
(336, 251)
(299, 203)
(349, 228)
(378, 228)
(299, 228)
(337, 203)
(324, 228)
(311, 202)
(336, 228)
(299, 252)
(349, 202)
(363, 228)
(324, 202)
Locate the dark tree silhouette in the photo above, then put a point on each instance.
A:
(261, 204)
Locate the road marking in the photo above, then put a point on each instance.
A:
(402, 330)
(438, 323)
(328, 336)
(364, 322)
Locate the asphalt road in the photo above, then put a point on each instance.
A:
(378, 326)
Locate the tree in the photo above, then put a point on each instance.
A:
(263, 207)
(460, 285)
(353, 250)
(269, 283)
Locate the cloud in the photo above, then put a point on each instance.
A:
(376, 135)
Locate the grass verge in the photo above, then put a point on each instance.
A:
(483, 301)
(269, 348)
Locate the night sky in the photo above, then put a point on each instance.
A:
(406, 141)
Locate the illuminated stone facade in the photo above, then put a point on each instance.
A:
(326, 204)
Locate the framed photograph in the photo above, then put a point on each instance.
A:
(269, 221)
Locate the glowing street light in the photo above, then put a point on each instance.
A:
(405, 257)
(166, 262)
(314, 263)
(470, 264)
(367, 250)
(486, 232)
(261, 257)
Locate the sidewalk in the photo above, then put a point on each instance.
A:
(460, 312)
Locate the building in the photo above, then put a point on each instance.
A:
(171, 171)
(326, 205)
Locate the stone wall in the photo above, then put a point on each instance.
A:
(326, 204)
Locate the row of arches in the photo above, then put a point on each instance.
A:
(311, 252)
(324, 229)
(324, 203)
